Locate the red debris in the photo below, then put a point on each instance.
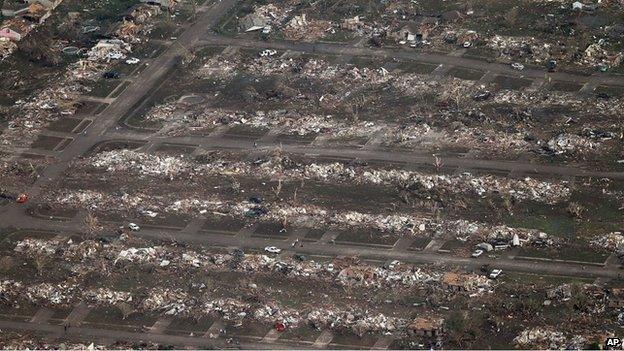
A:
(22, 198)
(280, 327)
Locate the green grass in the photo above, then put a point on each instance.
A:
(558, 225)
(528, 278)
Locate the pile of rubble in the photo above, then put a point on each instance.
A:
(58, 99)
(536, 51)
(613, 241)
(571, 144)
(107, 50)
(25, 21)
(546, 338)
(264, 17)
(300, 28)
(7, 47)
(174, 167)
(169, 301)
(136, 25)
(15, 341)
(359, 322)
(347, 272)
(516, 48)
(105, 296)
(142, 163)
(305, 216)
(195, 300)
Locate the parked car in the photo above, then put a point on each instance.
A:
(518, 66)
(111, 75)
(268, 52)
(495, 273)
(551, 65)
(134, 227)
(132, 61)
(272, 249)
(477, 253)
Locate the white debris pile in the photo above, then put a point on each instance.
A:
(107, 296)
(55, 294)
(301, 28)
(474, 283)
(107, 50)
(217, 66)
(273, 313)
(142, 163)
(179, 118)
(372, 276)
(95, 200)
(571, 143)
(321, 69)
(310, 216)
(597, 54)
(517, 47)
(228, 308)
(359, 322)
(416, 84)
(82, 250)
(424, 135)
(83, 197)
(34, 246)
(143, 254)
(270, 14)
(548, 338)
(368, 75)
(524, 189)
(541, 99)
(613, 241)
(10, 289)
(474, 230)
(169, 301)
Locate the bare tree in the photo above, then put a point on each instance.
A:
(437, 162)
(277, 189)
(40, 263)
(92, 225)
(125, 309)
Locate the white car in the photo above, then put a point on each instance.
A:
(134, 227)
(132, 61)
(467, 44)
(268, 52)
(272, 249)
(495, 273)
(517, 66)
(477, 253)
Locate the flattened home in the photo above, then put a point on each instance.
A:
(37, 11)
(454, 281)
(430, 327)
(417, 30)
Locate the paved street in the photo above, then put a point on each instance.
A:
(213, 238)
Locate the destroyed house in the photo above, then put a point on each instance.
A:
(453, 281)
(425, 327)
(35, 11)
(416, 30)
(616, 298)
(252, 22)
